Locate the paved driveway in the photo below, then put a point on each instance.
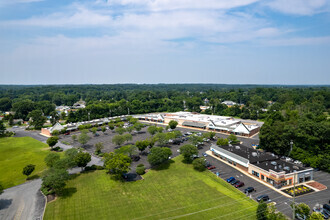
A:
(24, 201)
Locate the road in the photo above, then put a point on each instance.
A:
(24, 201)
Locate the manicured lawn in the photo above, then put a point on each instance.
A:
(176, 192)
(15, 154)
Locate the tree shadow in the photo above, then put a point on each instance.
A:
(187, 161)
(73, 176)
(163, 166)
(5, 203)
(36, 176)
(68, 192)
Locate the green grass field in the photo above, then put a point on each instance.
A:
(15, 154)
(178, 192)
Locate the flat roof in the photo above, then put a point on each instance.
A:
(263, 160)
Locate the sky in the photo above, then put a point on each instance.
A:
(165, 41)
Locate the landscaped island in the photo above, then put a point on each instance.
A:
(175, 190)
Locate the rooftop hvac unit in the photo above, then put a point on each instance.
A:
(295, 167)
(254, 154)
(286, 168)
(273, 163)
(237, 147)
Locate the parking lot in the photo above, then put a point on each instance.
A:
(282, 202)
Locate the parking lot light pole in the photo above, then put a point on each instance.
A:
(294, 195)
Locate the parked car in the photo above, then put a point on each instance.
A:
(177, 141)
(249, 189)
(230, 179)
(239, 184)
(234, 182)
(321, 210)
(204, 154)
(96, 134)
(211, 167)
(263, 198)
(300, 217)
(327, 207)
(67, 133)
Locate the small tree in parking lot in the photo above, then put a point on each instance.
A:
(118, 140)
(262, 211)
(159, 155)
(233, 139)
(52, 141)
(74, 137)
(187, 151)
(222, 142)
(98, 148)
(83, 138)
(152, 130)
(199, 164)
(94, 130)
(142, 145)
(173, 124)
(120, 130)
(104, 129)
(128, 137)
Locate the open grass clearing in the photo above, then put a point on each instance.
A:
(15, 154)
(169, 193)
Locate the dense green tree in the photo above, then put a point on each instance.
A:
(161, 139)
(82, 159)
(54, 180)
(2, 128)
(118, 140)
(51, 159)
(199, 164)
(23, 108)
(120, 130)
(83, 138)
(152, 130)
(316, 216)
(28, 169)
(262, 211)
(94, 130)
(74, 137)
(142, 145)
(117, 164)
(5, 104)
(52, 141)
(37, 119)
(233, 139)
(187, 151)
(222, 142)
(99, 147)
(173, 124)
(128, 150)
(128, 137)
(159, 155)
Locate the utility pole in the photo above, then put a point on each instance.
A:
(291, 143)
(294, 196)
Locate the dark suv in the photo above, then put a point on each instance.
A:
(263, 198)
(249, 189)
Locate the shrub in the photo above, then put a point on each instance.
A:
(140, 169)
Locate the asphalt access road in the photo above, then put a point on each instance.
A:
(24, 201)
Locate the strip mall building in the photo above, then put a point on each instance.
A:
(224, 124)
(265, 166)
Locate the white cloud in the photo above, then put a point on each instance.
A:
(159, 5)
(298, 41)
(81, 17)
(8, 2)
(299, 7)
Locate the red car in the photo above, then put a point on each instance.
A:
(239, 184)
(211, 167)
